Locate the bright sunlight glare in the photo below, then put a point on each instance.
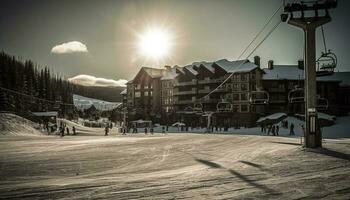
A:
(155, 43)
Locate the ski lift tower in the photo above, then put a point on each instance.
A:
(308, 24)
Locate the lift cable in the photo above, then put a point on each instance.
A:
(324, 40)
(263, 28)
(269, 33)
(33, 97)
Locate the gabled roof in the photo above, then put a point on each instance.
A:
(169, 74)
(283, 72)
(236, 66)
(207, 65)
(344, 77)
(190, 69)
(124, 92)
(292, 72)
(153, 72)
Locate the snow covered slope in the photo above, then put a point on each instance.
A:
(11, 124)
(82, 103)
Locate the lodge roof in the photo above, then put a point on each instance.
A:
(292, 72)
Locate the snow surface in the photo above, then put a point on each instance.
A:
(169, 75)
(11, 124)
(280, 72)
(236, 66)
(172, 166)
(83, 103)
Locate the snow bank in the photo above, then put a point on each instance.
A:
(274, 116)
(11, 124)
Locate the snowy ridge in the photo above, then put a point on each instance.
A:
(83, 103)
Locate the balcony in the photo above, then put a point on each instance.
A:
(189, 101)
(278, 101)
(277, 90)
(184, 92)
(206, 91)
(207, 81)
(185, 83)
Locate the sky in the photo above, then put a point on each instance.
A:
(99, 39)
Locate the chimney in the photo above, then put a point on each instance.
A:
(301, 64)
(257, 60)
(167, 67)
(270, 64)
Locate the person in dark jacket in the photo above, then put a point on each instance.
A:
(74, 131)
(291, 130)
(106, 130)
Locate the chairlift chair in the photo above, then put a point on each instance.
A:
(326, 64)
(188, 108)
(224, 106)
(259, 97)
(322, 103)
(198, 107)
(296, 95)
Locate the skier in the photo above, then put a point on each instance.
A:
(273, 130)
(146, 130)
(277, 129)
(73, 130)
(67, 129)
(106, 130)
(291, 130)
(62, 131)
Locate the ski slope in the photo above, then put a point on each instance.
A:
(83, 103)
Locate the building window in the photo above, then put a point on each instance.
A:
(253, 76)
(243, 77)
(244, 108)
(151, 93)
(137, 94)
(244, 87)
(235, 87)
(235, 77)
(244, 97)
(145, 94)
(235, 97)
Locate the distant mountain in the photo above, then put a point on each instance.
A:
(83, 103)
(111, 94)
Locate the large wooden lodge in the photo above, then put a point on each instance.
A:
(190, 93)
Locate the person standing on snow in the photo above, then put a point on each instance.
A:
(277, 129)
(291, 131)
(106, 130)
(73, 130)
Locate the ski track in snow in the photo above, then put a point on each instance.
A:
(172, 166)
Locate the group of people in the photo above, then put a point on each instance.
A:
(273, 129)
(65, 129)
(270, 128)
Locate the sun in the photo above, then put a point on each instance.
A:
(155, 43)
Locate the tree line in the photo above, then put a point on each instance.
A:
(27, 87)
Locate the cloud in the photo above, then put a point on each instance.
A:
(88, 80)
(70, 47)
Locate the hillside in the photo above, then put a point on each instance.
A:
(111, 94)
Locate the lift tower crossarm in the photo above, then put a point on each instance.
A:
(313, 137)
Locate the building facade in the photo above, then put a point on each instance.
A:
(190, 93)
